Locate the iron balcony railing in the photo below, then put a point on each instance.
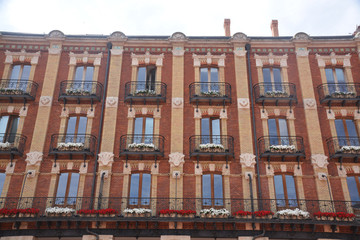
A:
(71, 90)
(289, 146)
(12, 143)
(139, 144)
(195, 204)
(77, 144)
(210, 92)
(275, 93)
(18, 89)
(339, 92)
(211, 145)
(348, 147)
(145, 91)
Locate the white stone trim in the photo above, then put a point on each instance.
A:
(302, 52)
(147, 59)
(178, 103)
(319, 161)
(10, 167)
(106, 159)
(240, 52)
(271, 60)
(34, 158)
(209, 59)
(247, 160)
(176, 159)
(178, 51)
(243, 103)
(84, 58)
(22, 56)
(333, 60)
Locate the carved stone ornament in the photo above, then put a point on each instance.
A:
(10, 167)
(302, 52)
(225, 170)
(106, 159)
(31, 173)
(131, 113)
(357, 36)
(154, 170)
(356, 169)
(34, 158)
(301, 36)
(54, 49)
(55, 169)
(223, 114)
(157, 114)
(22, 56)
(176, 159)
(290, 114)
(83, 168)
(178, 103)
(198, 169)
(45, 101)
(283, 167)
(111, 102)
(10, 109)
(310, 103)
(127, 168)
(319, 161)
(178, 51)
(240, 52)
(264, 114)
(176, 174)
(56, 34)
(239, 36)
(243, 103)
(117, 36)
(146, 59)
(178, 36)
(209, 59)
(247, 160)
(271, 59)
(342, 171)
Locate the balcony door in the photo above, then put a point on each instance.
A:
(210, 131)
(335, 78)
(83, 78)
(278, 131)
(19, 76)
(143, 130)
(212, 190)
(146, 78)
(285, 191)
(209, 78)
(140, 189)
(8, 128)
(67, 189)
(76, 129)
(346, 132)
(272, 79)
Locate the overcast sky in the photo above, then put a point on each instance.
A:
(192, 17)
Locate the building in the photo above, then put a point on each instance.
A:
(235, 123)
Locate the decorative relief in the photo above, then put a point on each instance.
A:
(240, 52)
(154, 169)
(343, 112)
(178, 103)
(111, 102)
(264, 114)
(223, 114)
(209, 59)
(104, 173)
(178, 36)
(271, 59)
(243, 103)
(239, 36)
(147, 58)
(301, 36)
(178, 51)
(225, 170)
(356, 169)
(131, 113)
(10, 167)
(157, 113)
(212, 167)
(56, 34)
(342, 171)
(310, 103)
(22, 56)
(127, 168)
(176, 174)
(55, 169)
(333, 60)
(247, 160)
(106, 159)
(290, 114)
(283, 167)
(90, 113)
(10, 109)
(319, 161)
(31, 173)
(176, 159)
(117, 36)
(85, 57)
(45, 101)
(34, 158)
(23, 111)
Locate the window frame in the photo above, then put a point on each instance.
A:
(212, 189)
(209, 79)
(77, 123)
(211, 125)
(346, 127)
(22, 65)
(357, 181)
(83, 79)
(66, 197)
(272, 76)
(10, 123)
(285, 189)
(336, 81)
(149, 82)
(139, 198)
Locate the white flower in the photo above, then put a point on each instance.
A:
(146, 91)
(215, 212)
(349, 148)
(293, 212)
(276, 93)
(141, 145)
(70, 144)
(137, 210)
(211, 93)
(211, 145)
(282, 147)
(76, 91)
(343, 93)
(5, 145)
(59, 210)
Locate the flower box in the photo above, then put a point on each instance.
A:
(141, 147)
(177, 213)
(282, 148)
(108, 212)
(145, 92)
(340, 94)
(276, 94)
(70, 146)
(6, 146)
(137, 212)
(77, 92)
(214, 213)
(210, 94)
(11, 91)
(211, 147)
(59, 211)
(350, 149)
(263, 214)
(339, 216)
(27, 212)
(243, 214)
(292, 214)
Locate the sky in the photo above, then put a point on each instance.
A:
(192, 17)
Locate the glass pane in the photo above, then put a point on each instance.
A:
(89, 73)
(3, 124)
(340, 131)
(13, 129)
(145, 189)
(353, 136)
(283, 132)
(15, 73)
(149, 130)
(26, 72)
(279, 191)
(218, 190)
(330, 79)
(353, 190)
(71, 126)
(61, 190)
(74, 184)
(134, 189)
(206, 189)
(2, 181)
(216, 138)
(81, 129)
(273, 132)
(79, 74)
(150, 81)
(141, 77)
(277, 79)
(340, 75)
(214, 79)
(138, 130)
(267, 79)
(204, 75)
(205, 130)
(291, 190)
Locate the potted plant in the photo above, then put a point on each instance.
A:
(211, 93)
(263, 214)
(343, 94)
(292, 214)
(214, 213)
(59, 211)
(6, 146)
(70, 146)
(282, 148)
(242, 214)
(211, 147)
(276, 93)
(350, 149)
(145, 92)
(142, 147)
(137, 212)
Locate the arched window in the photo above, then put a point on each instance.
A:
(285, 191)
(67, 188)
(140, 189)
(212, 190)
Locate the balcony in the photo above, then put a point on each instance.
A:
(12, 144)
(213, 146)
(281, 147)
(12, 89)
(275, 93)
(210, 92)
(344, 147)
(80, 91)
(142, 144)
(339, 93)
(143, 92)
(72, 144)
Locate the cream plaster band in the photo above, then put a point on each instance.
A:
(209, 59)
(84, 58)
(271, 59)
(147, 58)
(22, 56)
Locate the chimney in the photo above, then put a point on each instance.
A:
(274, 28)
(227, 27)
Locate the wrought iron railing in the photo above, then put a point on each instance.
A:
(81, 90)
(141, 90)
(72, 144)
(338, 92)
(195, 204)
(281, 146)
(12, 143)
(275, 92)
(13, 88)
(214, 91)
(211, 145)
(142, 144)
(343, 147)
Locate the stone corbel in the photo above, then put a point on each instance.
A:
(225, 170)
(106, 159)
(31, 173)
(322, 176)
(10, 167)
(176, 159)
(198, 169)
(131, 113)
(104, 173)
(342, 171)
(127, 169)
(154, 169)
(319, 161)
(23, 111)
(330, 114)
(55, 169)
(176, 174)
(223, 114)
(34, 158)
(297, 170)
(247, 160)
(270, 170)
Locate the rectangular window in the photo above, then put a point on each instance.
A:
(353, 187)
(210, 130)
(209, 78)
(83, 78)
(76, 129)
(140, 189)
(8, 128)
(19, 73)
(143, 130)
(335, 78)
(346, 132)
(285, 191)
(67, 189)
(272, 79)
(146, 78)
(212, 190)
(2, 181)
(278, 131)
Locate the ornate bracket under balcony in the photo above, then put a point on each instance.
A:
(344, 148)
(211, 146)
(143, 92)
(72, 144)
(210, 92)
(275, 93)
(142, 145)
(12, 144)
(80, 91)
(13, 89)
(281, 147)
(340, 94)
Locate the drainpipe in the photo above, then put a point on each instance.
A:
(22, 189)
(101, 189)
(251, 193)
(248, 48)
(260, 235)
(92, 233)
(109, 46)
